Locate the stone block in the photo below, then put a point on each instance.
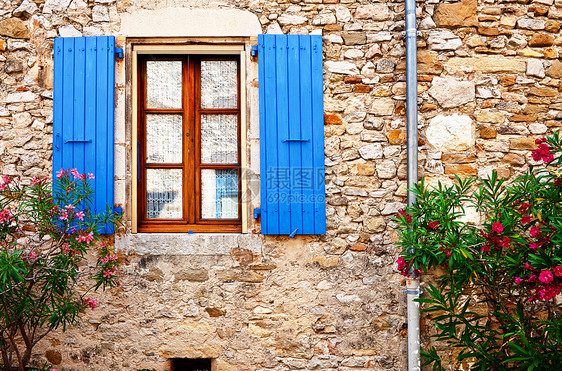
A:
(443, 40)
(531, 24)
(522, 144)
(14, 27)
(462, 14)
(345, 68)
(452, 93)
(555, 70)
(541, 39)
(382, 107)
(450, 133)
(354, 38)
(239, 275)
(196, 275)
(490, 117)
(486, 64)
(428, 63)
(375, 12)
(543, 91)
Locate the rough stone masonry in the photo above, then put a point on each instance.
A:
(490, 77)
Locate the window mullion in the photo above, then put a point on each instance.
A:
(190, 140)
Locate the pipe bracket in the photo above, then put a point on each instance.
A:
(413, 292)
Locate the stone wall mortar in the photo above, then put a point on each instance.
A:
(489, 84)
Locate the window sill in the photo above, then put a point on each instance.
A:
(186, 244)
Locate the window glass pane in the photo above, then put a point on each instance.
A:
(164, 193)
(164, 138)
(219, 199)
(219, 84)
(163, 84)
(219, 139)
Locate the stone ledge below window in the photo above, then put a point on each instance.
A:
(186, 244)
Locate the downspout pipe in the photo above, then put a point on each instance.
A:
(412, 282)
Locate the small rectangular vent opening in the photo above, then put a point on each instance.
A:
(194, 364)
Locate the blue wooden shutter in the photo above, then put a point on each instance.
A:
(291, 134)
(83, 112)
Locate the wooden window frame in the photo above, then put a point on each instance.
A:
(191, 111)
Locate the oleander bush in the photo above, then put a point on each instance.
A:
(496, 297)
(46, 233)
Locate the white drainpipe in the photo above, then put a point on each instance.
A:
(412, 283)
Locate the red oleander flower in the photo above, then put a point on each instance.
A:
(497, 227)
(402, 214)
(535, 231)
(433, 224)
(526, 219)
(546, 277)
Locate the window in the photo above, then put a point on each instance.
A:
(189, 143)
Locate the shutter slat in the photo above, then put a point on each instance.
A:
(79, 104)
(84, 101)
(295, 148)
(306, 119)
(291, 134)
(269, 147)
(283, 164)
(318, 137)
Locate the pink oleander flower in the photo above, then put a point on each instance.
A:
(80, 215)
(535, 231)
(65, 248)
(557, 271)
(35, 181)
(109, 272)
(85, 237)
(91, 176)
(532, 278)
(497, 227)
(74, 173)
(546, 277)
(5, 215)
(526, 219)
(534, 246)
(518, 280)
(485, 248)
(69, 207)
(52, 369)
(63, 214)
(7, 179)
(90, 302)
(108, 259)
(61, 173)
(528, 266)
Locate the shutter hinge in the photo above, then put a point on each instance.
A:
(257, 213)
(119, 52)
(254, 52)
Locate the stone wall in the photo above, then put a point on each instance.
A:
(490, 77)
